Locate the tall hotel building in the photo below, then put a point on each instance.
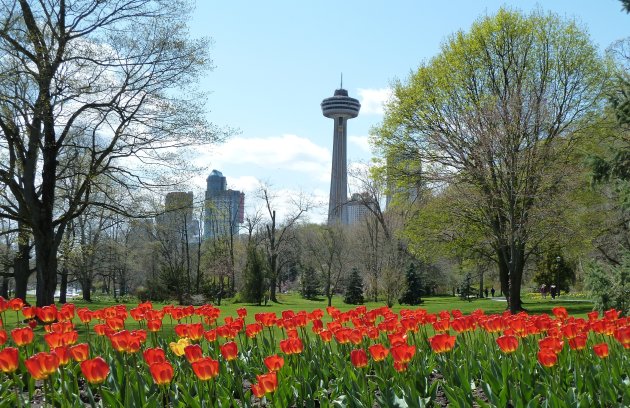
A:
(224, 208)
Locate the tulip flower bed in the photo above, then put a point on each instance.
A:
(359, 358)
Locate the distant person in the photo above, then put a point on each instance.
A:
(486, 292)
(492, 291)
(543, 291)
(553, 292)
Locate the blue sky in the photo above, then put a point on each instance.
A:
(276, 60)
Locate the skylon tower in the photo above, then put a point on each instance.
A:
(339, 107)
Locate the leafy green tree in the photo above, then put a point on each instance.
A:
(626, 5)
(554, 269)
(609, 285)
(354, 289)
(255, 277)
(414, 289)
(310, 288)
(490, 114)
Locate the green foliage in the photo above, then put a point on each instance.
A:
(466, 290)
(414, 291)
(255, 277)
(354, 289)
(310, 287)
(610, 285)
(626, 5)
(554, 269)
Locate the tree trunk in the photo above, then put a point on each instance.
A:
(21, 270)
(481, 283)
(273, 279)
(4, 291)
(516, 278)
(63, 287)
(46, 267)
(329, 299)
(86, 288)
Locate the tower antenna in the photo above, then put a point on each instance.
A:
(341, 87)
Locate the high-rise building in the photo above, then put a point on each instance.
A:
(177, 222)
(357, 207)
(340, 107)
(225, 208)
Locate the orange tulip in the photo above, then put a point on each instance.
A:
(9, 361)
(120, 340)
(507, 344)
(258, 390)
(154, 355)
(358, 358)
(195, 331)
(29, 312)
(80, 352)
(400, 366)
(115, 323)
(560, 313)
(229, 351)
(325, 335)
(85, 315)
(95, 370)
(53, 340)
(22, 336)
(547, 357)
(210, 335)
(274, 363)
(441, 343)
(193, 353)
(3, 337)
(162, 373)
(601, 350)
(252, 330)
(206, 368)
(242, 312)
(378, 352)
(42, 365)
(551, 343)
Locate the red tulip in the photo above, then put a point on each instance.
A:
(578, 342)
(441, 343)
(291, 346)
(9, 360)
(547, 357)
(47, 314)
(22, 336)
(274, 363)
(206, 368)
(268, 382)
(154, 355)
(622, 334)
(242, 312)
(403, 353)
(507, 344)
(601, 350)
(85, 315)
(154, 325)
(358, 357)
(95, 370)
(3, 337)
(63, 354)
(15, 304)
(378, 352)
(162, 373)
(193, 353)
(42, 365)
(551, 343)
(80, 352)
(229, 351)
(560, 312)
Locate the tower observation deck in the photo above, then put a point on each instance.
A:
(339, 107)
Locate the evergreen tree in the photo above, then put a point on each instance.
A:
(310, 283)
(354, 290)
(626, 5)
(413, 294)
(255, 276)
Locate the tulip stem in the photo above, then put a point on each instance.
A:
(18, 397)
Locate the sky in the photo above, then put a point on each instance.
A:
(275, 61)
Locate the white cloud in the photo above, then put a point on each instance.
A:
(362, 142)
(373, 100)
(289, 152)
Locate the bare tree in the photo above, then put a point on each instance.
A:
(277, 233)
(112, 70)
